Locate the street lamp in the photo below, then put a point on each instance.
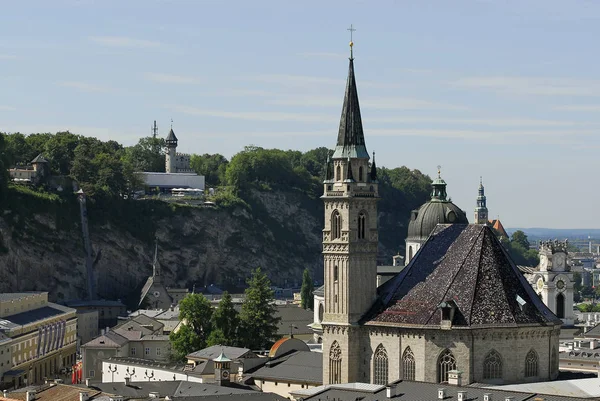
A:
(149, 377)
(112, 371)
(292, 327)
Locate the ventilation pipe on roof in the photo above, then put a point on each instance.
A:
(487, 396)
(127, 381)
(462, 396)
(390, 391)
(30, 395)
(154, 395)
(509, 398)
(84, 396)
(441, 393)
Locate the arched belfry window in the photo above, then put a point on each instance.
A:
(492, 365)
(408, 364)
(360, 174)
(531, 364)
(560, 306)
(446, 363)
(362, 225)
(338, 173)
(336, 225)
(380, 365)
(335, 363)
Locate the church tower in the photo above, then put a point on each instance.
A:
(554, 281)
(349, 241)
(481, 211)
(171, 154)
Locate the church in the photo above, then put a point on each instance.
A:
(460, 307)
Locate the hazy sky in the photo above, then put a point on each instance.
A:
(509, 90)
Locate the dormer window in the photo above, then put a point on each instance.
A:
(447, 310)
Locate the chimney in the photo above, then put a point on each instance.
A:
(87, 381)
(30, 395)
(441, 393)
(487, 396)
(390, 391)
(84, 396)
(455, 377)
(509, 398)
(154, 395)
(462, 396)
(127, 381)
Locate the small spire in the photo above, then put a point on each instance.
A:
(328, 168)
(349, 176)
(373, 170)
(351, 29)
(155, 267)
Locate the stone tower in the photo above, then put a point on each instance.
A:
(481, 211)
(349, 239)
(171, 155)
(554, 281)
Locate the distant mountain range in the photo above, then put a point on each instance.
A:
(558, 233)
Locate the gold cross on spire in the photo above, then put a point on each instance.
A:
(351, 29)
(439, 171)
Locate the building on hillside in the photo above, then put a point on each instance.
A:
(36, 172)
(460, 304)
(43, 336)
(130, 339)
(109, 312)
(178, 172)
(439, 210)
(155, 294)
(242, 360)
(291, 366)
(87, 326)
(553, 280)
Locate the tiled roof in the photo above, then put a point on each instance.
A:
(465, 264)
(296, 367)
(10, 296)
(320, 291)
(39, 159)
(234, 397)
(170, 388)
(215, 350)
(33, 316)
(296, 316)
(594, 332)
(109, 339)
(54, 392)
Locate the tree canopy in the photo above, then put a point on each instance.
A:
(195, 313)
(212, 167)
(306, 292)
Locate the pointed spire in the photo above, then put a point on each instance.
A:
(351, 139)
(439, 187)
(328, 169)
(373, 170)
(155, 266)
(349, 176)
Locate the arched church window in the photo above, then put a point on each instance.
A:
(380, 362)
(320, 312)
(408, 364)
(531, 364)
(336, 273)
(560, 306)
(360, 174)
(335, 363)
(410, 252)
(362, 223)
(338, 173)
(492, 365)
(446, 363)
(336, 225)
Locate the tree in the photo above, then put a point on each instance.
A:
(195, 313)
(306, 292)
(520, 238)
(212, 167)
(258, 321)
(225, 323)
(4, 177)
(147, 155)
(59, 150)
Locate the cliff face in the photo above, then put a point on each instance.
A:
(280, 232)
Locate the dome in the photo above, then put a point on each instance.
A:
(439, 210)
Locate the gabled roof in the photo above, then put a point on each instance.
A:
(109, 339)
(465, 264)
(295, 367)
(497, 225)
(214, 351)
(39, 159)
(351, 139)
(594, 332)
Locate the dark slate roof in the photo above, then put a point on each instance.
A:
(351, 139)
(34, 315)
(39, 159)
(234, 397)
(214, 351)
(109, 339)
(294, 315)
(171, 136)
(296, 367)
(594, 332)
(10, 296)
(320, 291)
(420, 391)
(465, 264)
(174, 389)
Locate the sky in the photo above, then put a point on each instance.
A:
(506, 90)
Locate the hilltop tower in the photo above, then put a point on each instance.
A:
(481, 211)
(349, 238)
(171, 154)
(554, 280)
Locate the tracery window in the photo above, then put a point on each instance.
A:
(362, 223)
(338, 173)
(336, 225)
(408, 364)
(380, 362)
(360, 174)
(446, 363)
(335, 363)
(531, 364)
(492, 365)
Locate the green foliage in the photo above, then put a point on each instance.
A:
(258, 324)
(306, 292)
(227, 198)
(520, 238)
(4, 177)
(147, 155)
(225, 323)
(589, 307)
(184, 342)
(518, 249)
(195, 313)
(212, 167)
